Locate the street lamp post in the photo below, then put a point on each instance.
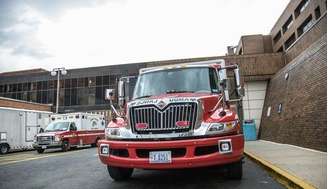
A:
(57, 72)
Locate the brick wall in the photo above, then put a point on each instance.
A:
(303, 120)
(12, 103)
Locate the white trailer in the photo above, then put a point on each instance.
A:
(18, 127)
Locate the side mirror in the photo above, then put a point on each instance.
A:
(109, 94)
(121, 93)
(240, 90)
(41, 130)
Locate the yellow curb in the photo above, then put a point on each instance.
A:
(286, 175)
(35, 158)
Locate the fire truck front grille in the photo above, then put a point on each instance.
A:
(176, 117)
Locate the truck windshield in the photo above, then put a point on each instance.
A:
(57, 126)
(200, 79)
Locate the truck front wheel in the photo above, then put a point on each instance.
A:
(95, 144)
(235, 170)
(4, 148)
(65, 146)
(119, 173)
(40, 151)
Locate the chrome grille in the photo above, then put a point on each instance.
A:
(163, 121)
(44, 139)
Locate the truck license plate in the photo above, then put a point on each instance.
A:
(160, 157)
(43, 147)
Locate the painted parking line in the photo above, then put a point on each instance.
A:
(21, 158)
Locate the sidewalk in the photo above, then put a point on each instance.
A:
(303, 167)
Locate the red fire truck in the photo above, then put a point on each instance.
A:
(71, 130)
(180, 116)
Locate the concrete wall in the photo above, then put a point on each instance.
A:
(303, 117)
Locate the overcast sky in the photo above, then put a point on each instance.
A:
(84, 33)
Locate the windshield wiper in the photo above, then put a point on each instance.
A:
(178, 91)
(145, 96)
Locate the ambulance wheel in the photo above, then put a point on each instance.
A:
(4, 148)
(119, 173)
(235, 170)
(40, 151)
(95, 144)
(65, 146)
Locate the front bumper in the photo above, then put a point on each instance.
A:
(48, 146)
(193, 152)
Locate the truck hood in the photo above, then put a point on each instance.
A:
(179, 95)
(162, 100)
(53, 133)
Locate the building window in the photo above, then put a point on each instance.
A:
(240, 51)
(287, 24)
(44, 99)
(279, 108)
(281, 49)
(300, 8)
(106, 80)
(277, 37)
(99, 95)
(45, 85)
(19, 96)
(19, 87)
(52, 84)
(67, 98)
(74, 83)
(50, 96)
(25, 86)
(38, 96)
(92, 82)
(73, 97)
(317, 13)
(306, 25)
(67, 83)
(290, 41)
(99, 80)
(14, 87)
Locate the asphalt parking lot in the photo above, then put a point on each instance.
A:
(82, 169)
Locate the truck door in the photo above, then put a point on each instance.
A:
(31, 126)
(74, 140)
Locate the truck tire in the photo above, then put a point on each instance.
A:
(235, 170)
(95, 144)
(119, 173)
(65, 146)
(4, 148)
(40, 151)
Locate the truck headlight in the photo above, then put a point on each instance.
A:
(57, 138)
(215, 128)
(112, 132)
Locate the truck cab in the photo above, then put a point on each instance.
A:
(180, 116)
